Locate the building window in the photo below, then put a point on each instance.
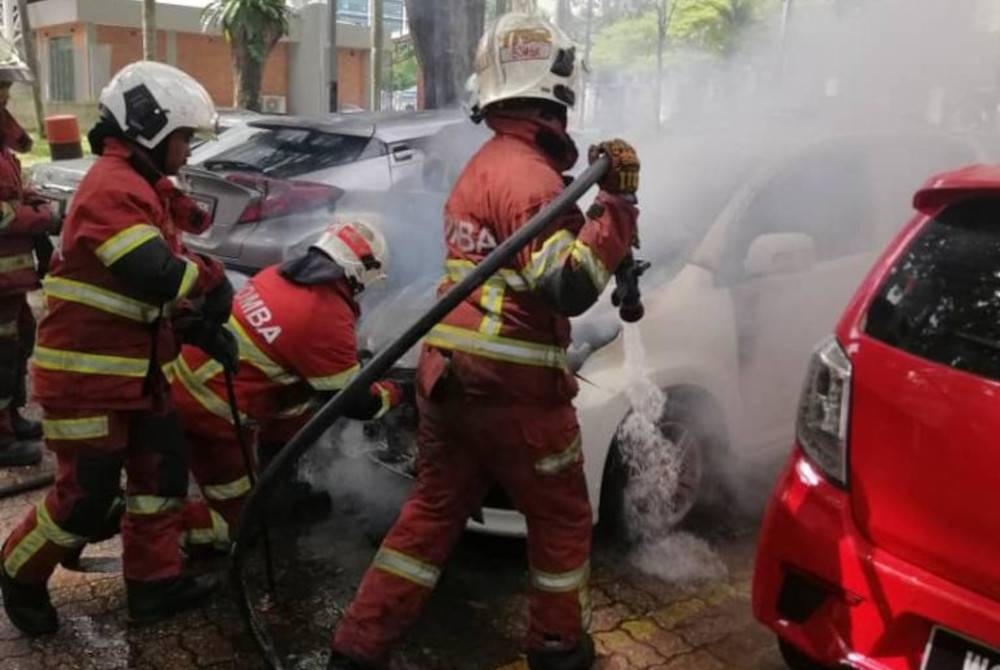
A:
(62, 87)
(357, 12)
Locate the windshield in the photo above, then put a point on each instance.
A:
(941, 300)
(283, 152)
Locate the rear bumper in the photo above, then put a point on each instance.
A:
(821, 586)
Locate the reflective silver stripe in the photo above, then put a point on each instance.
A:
(551, 256)
(145, 505)
(491, 303)
(7, 214)
(90, 364)
(560, 582)
(252, 354)
(586, 610)
(8, 329)
(188, 280)
(217, 535)
(125, 241)
(230, 491)
(205, 396)
(594, 266)
(556, 463)
(86, 428)
(18, 262)
(496, 347)
(456, 270)
(100, 299)
(406, 567)
(334, 382)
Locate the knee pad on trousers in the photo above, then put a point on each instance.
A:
(94, 513)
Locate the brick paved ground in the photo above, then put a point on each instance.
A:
(473, 622)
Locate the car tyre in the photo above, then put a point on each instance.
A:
(689, 418)
(796, 659)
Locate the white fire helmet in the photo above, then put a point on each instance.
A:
(12, 68)
(150, 100)
(358, 247)
(523, 56)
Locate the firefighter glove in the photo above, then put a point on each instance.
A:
(221, 344)
(622, 177)
(218, 302)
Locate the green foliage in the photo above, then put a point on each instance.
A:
(404, 68)
(256, 25)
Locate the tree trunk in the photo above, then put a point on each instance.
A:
(445, 35)
(149, 29)
(31, 59)
(248, 74)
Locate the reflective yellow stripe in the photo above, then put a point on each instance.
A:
(496, 347)
(594, 266)
(491, 302)
(7, 214)
(217, 535)
(556, 463)
(457, 269)
(17, 262)
(87, 428)
(385, 395)
(586, 610)
(145, 505)
(560, 582)
(251, 353)
(8, 329)
(125, 242)
(100, 299)
(45, 530)
(188, 280)
(334, 382)
(205, 397)
(230, 491)
(550, 257)
(90, 364)
(406, 567)
(296, 410)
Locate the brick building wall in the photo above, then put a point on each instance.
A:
(352, 77)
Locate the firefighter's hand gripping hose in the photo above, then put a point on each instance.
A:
(281, 466)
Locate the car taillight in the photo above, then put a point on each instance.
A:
(281, 197)
(824, 410)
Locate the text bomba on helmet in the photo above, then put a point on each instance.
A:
(150, 100)
(523, 56)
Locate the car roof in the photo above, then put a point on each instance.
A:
(390, 127)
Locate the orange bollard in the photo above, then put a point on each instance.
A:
(63, 132)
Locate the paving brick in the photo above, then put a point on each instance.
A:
(620, 643)
(647, 632)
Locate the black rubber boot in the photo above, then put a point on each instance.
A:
(25, 429)
(580, 657)
(340, 662)
(28, 606)
(152, 601)
(16, 453)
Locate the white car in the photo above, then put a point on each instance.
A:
(767, 251)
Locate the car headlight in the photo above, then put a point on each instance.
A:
(824, 410)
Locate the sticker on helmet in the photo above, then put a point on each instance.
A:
(526, 44)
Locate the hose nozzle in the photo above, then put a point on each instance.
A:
(626, 296)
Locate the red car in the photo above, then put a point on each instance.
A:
(880, 548)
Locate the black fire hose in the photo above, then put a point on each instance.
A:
(38, 482)
(286, 459)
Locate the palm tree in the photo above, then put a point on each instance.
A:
(252, 28)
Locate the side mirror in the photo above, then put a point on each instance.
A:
(780, 253)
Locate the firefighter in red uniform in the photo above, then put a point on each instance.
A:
(295, 324)
(97, 368)
(493, 385)
(25, 218)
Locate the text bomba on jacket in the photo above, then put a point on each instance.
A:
(257, 313)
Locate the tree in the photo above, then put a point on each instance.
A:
(149, 29)
(252, 28)
(445, 34)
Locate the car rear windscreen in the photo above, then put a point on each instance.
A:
(941, 301)
(289, 152)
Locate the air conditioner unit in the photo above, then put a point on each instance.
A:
(273, 104)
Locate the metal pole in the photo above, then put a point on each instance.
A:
(333, 105)
(786, 17)
(149, 29)
(31, 58)
(378, 37)
(586, 61)
(375, 370)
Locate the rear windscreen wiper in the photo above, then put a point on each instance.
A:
(226, 164)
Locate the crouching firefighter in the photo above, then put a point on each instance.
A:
(493, 385)
(101, 345)
(25, 218)
(295, 324)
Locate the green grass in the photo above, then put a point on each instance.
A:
(40, 151)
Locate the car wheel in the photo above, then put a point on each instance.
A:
(655, 478)
(796, 659)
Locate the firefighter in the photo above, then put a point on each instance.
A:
(295, 324)
(493, 385)
(25, 220)
(97, 368)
